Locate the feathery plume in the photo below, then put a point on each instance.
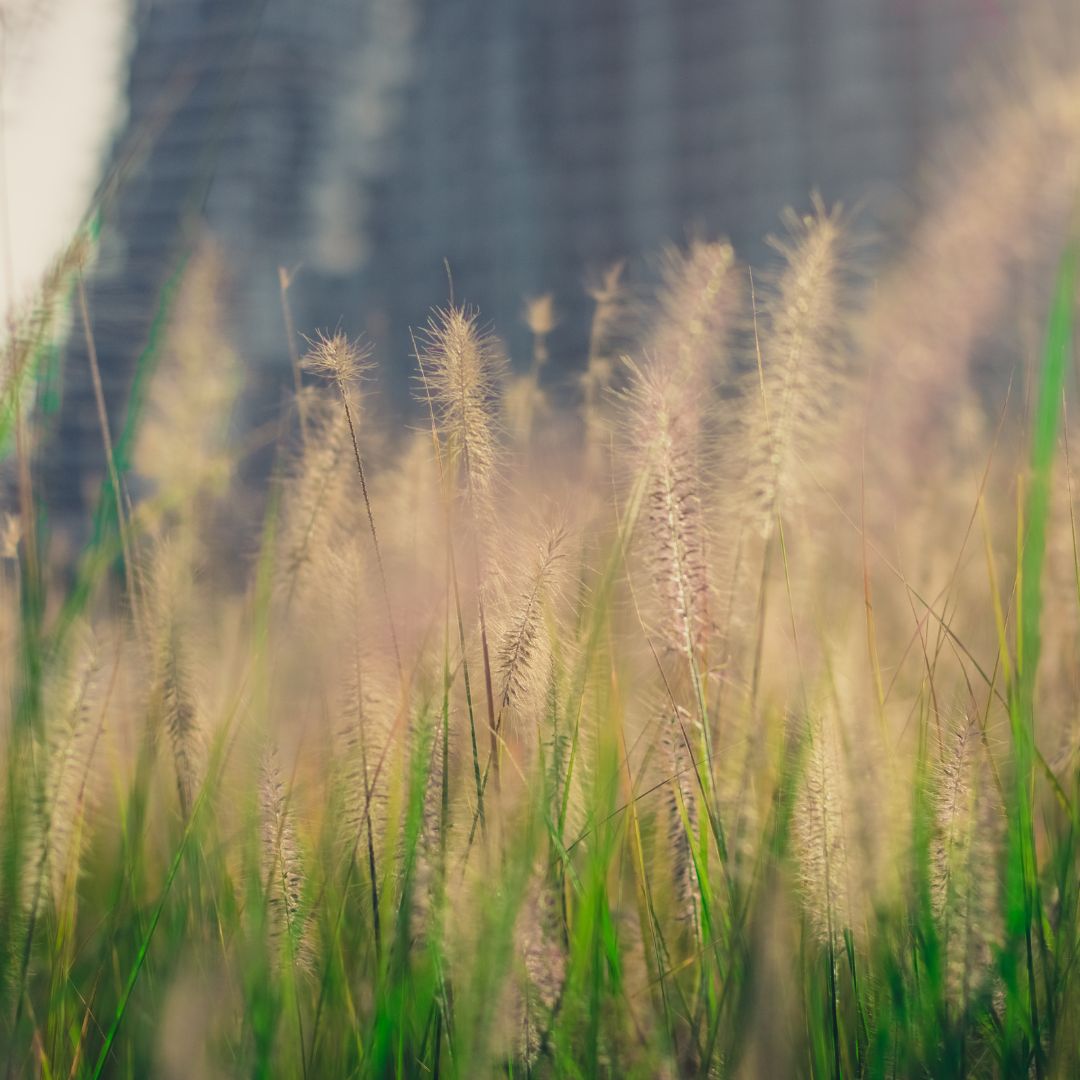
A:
(461, 369)
(682, 813)
(522, 646)
(69, 750)
(33, 320)
(182, 719)
(793, 390)
(174, 692)
(314, 498)
(538, 934)
(664, 423)
(335, 357)
(696, 303)
(280, 868)
(182, 445)
(985, 248)
(821, 834)
(427, 863)
(965, 891)
(366, 766)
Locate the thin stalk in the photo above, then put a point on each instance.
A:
(368, 789)
(110, 458)
(374, 538)
(488, 690)
(453, 582)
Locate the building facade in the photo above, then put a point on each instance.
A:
(362, 143)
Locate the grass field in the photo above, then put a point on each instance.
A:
(715, 713)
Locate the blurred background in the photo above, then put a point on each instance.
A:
(357, 144)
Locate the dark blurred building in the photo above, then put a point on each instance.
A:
(365, 141)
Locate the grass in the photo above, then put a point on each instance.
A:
(682, 733)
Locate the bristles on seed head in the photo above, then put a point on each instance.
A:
(792, 398)
(461, 368)
(539, 942)
(314, 512)
(70, 741)
(426, 738)
(335, 356)
(281, 870)
(663, 422)
(969, 825)
(366, 760)
(682, 811)
(821, 836)
(522, 648)
(697, 300)
(175, 695)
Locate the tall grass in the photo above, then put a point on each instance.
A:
(720, 738)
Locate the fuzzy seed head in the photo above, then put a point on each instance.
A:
(822, 834)
(461, 369)
(697, 301)
(281, 870)
(664, 423)
(682, 812)
(69, 749)
(965, 889)
(522, 648)
(336, 357)
(367, 763)
(315, 500)
(792, 399)
(538, 938)
(173, 680)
